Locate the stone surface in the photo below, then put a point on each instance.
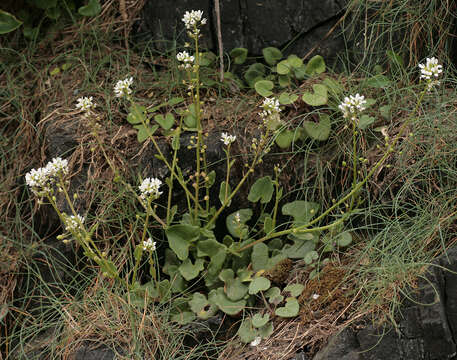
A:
(426, 324)
(100, 353)
(302, 24)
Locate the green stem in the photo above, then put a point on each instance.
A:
(199, 125)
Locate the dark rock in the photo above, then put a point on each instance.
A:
(426, 323)
(250, 24)
(86, 352)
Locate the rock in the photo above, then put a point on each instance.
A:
(250, 24)
(427, 324)
(86, 352)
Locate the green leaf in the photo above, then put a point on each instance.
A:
(333, 86)
(55, 71)
(261, 190)
(284, 80)
(378, 81)
(294, 61)
(239, 55)
(254, 73)
(344, 239)
(53, 13)
(395, 59)
(284, 138)
(235, 228)
(259, 320)
(91, 9)
(386, 111)
(318, 131)
(271, 55)
(175, 143)
(283, 67)
(261, 260)
(300, 72)
(300, 248)
(137, 114)
(218, 297)
(143, 132)
(44, 4)
(175, 100)
(166, 122)
(365, 121)
(310, 257)
(320, 96)
(183, 318)
(247, 332)
(108, 268)
(180, 237)
(259, 284)
(302, 211)
(286, 98)
(274, 295)
(224, 193)
(201, 306)
(268, 225)
(291, 308)
(294, 289)
(190, 271)
(266, 330)
(235, 289)
(263, 87)
(315, 66)
(207, 58)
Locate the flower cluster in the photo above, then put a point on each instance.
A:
(186, 60)
(430, 71)
(149, 245)
(85, 104)
(352, 106)
(73, 223)
(122, 87)
(42, 180)
(150, 188)
(192, 20)
(270, 107)
(227, 139)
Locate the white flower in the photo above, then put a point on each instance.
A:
(315, 296)
(73, 223)
(193, 19)
(430, 72)
(237, 218)
(256, 341)
(122, 87)
(352, 105)
(149, 245)
(227, 139)
(42, 179)
(431, 69)
(150, 187)
(57, 166)
(186, 59)
(85, 104)
(270, 107)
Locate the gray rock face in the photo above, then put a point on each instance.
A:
(253, 24)
(427, 326)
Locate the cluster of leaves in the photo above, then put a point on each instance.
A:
(43, 9)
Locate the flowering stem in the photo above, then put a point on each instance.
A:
(354, 160)
(305, 228)
(199, 125)
(228, 173)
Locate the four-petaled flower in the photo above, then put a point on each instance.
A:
(122, 87)
(186, 59)
(41, 180)
(192, 20)
(227, 139)
(270, 107)
(73, 223)
(149, 245)
(352, 106)
(85, 104)
(150, 188)
(430, 71)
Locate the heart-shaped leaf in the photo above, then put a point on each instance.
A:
(286, 98)
(318, 131)
(190, 271)
(271, 55)
(378, 81)
(91, 9)
(283, 67)
(166, 122)
(239, 55)
(315, 66)
(344, 239)
(284, 138)
(180, 237)
(290, 309)
(137, 114)
(236, 223)
(254, 73)
(263, 87)
(294, 61)
(218, 297)
(302, 211)
(145, 132)
(259, 284)
(319, 97)
(365, 121)
(294, 289)
(261, 190)
(259, 320)
(201, 306)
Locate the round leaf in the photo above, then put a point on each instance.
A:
(283, 67)
(289, 310)
(239, 55)
(319, 97)
(261, 190)
(180, 237)
(315, 66)
(271, 55)
(318, 131)
(91, 9)
(259, 284)
(263, 87)
(259, 320)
